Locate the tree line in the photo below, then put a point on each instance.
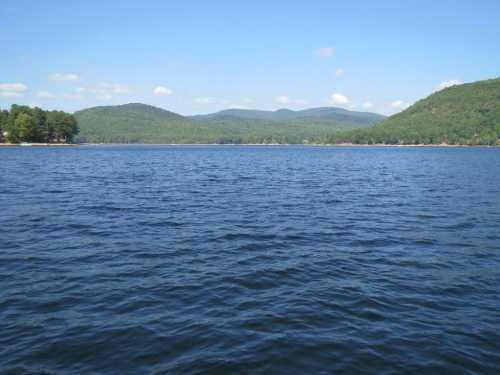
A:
(27, 124)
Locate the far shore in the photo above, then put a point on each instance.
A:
(283, 144)
(30, 144)
(34, 144)
(409, 145)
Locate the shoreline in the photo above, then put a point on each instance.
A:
(29, 144)
(285, 144)
(32, 144)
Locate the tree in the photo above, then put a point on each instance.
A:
(26, 127)
(68, 128)
(62, 126)
(42, 132)
(27, 124)
(3, 123)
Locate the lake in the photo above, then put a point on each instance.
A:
(249, 259)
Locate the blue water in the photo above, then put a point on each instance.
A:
(262, 260)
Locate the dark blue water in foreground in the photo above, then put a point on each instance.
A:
(234, 260)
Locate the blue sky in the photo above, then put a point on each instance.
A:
(202, 56)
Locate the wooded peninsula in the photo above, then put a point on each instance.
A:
(26, 124)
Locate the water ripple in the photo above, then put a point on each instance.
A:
(237, 260)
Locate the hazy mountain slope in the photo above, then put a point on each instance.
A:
(464, 114)
(333, 114)
(249, 114)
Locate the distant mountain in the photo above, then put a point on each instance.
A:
(467, 114)
(337, 115)
(140, 123)
(249, 114)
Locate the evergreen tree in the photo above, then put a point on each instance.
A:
(26, 127)
(3, 124)
(25, 124)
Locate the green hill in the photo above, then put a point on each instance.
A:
(140, 123)
(467, 114)
(132, 123)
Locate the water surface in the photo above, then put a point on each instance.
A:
(264, 260)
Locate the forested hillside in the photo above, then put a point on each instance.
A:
(467, 114)
(140, 123)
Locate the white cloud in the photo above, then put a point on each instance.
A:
(339, 72)
(44, 94)
(240, 106)
(74, 95)
(283, 99)
(104, 96)
(162, 91)
(246, 103)
(12, 89)
(325, 52)
(339, 99)
(210, 100)
(103, 91)
(61, 77)
(367, 105)
(112, 88)
(301, 101)
(286, 100)
(205, 100)
(399, 105)
(446, 84)
(221, 103)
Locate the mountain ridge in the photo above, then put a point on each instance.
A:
(287, 114)
(137, 122)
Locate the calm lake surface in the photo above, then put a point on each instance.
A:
(234, 260)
